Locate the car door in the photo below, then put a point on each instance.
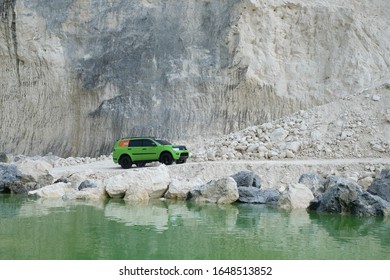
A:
(136, 149)
(149, 149)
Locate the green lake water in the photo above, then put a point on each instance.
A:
(113, 230)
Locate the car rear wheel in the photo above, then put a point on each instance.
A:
(166, 158)
(125, 162)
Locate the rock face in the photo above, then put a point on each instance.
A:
(218, 65)
(344, 196)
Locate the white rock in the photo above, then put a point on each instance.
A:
(296, 196)
(57, 190)
(278, 134)
(137, 194)
(154, 180)
(376, 97)
(98, 193)
(211, 155)
(178, 189)
(36, 171)
(366, 182)
(315, 135)
(267, 126)
(290, 154)
(221, 191)
(293, 146)
(378, 147)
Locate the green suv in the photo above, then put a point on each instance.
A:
(141, 150)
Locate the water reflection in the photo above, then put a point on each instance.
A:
(349, 228)
(162, 229)
(10, 205)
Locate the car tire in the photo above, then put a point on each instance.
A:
(125, 162)
(166, 158)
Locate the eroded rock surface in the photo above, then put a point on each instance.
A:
(72, 71)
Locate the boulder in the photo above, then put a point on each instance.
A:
(87, 184)
(294, 146)
(347, 197)
(178, 189)
(154, 180)
(247, 179)
(116, 186)
(57, 190)
(255, 195)
(314, 182)
(35, 174)
(136, 194)
(10, 177)
(95, 193)
(278, 135)
(221, 191)
(296, 196)
(381, 186)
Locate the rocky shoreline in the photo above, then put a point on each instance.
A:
(358, 187)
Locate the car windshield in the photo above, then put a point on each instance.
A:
(163, 142)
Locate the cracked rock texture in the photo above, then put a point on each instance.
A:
(78, 74)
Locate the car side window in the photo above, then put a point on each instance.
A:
(148, 143)
(135, 143)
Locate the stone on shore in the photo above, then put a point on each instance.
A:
(35, 174)
(296, 196)
(178, 189)
(314, 182)
(57, 190)
(154, 180)
(221, 191)
(381, 186)
(345, 196)
(136, 194)
(247, 179)
(97, 193)
(24, 176)
(10, 177)
(258, 196)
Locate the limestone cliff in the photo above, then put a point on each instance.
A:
(75, 75)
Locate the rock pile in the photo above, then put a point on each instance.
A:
(355, 126)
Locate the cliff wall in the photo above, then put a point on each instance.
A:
(75, 75)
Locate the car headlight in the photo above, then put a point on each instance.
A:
(176, 149)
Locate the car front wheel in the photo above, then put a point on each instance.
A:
(166, 158)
